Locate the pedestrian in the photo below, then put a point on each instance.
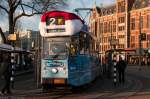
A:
(6, 73)
(148, 62)
(121, 66)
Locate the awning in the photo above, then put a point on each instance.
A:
(5, 47)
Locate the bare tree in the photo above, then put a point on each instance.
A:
(18, 25)
(27, 8)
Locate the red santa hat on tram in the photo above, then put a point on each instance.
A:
(73, 23)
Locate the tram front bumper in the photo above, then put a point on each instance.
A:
(55, 81)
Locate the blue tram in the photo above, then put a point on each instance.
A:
(68, 53)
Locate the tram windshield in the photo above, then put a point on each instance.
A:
(55, 49)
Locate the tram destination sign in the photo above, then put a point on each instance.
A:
(55, 21)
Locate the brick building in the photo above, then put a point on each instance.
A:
(121, 23)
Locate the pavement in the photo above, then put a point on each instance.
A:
(102, 84)
(143, 71)
(19, 73)
(27, 85)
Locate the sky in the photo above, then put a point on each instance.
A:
(32, 23)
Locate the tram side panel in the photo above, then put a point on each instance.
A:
(79, 70)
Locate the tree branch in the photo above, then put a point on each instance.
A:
(22, 8)
(14, 2)
(23, 14)
(4, 9)
(30, 7)
(19, 2)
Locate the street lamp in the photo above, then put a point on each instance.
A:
(101, 36)
(142, 36)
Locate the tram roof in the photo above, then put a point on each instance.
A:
(87, 32)
(66, 15)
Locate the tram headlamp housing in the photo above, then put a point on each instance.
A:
(61, 64)
(54, 70)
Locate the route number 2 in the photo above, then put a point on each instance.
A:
(52, 21)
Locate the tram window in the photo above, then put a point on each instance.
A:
(73, 50)
(84, 43)
(74, 46)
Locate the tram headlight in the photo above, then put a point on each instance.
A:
(54, 70)
(61, 64)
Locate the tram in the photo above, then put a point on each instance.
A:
(68, 51)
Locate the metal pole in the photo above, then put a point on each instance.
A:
(101, 40)
(140, 43)
(101, 47)
(114, 70)
(12, 66)
(38, 63)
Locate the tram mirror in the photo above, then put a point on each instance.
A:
(84, 35)
(73, 49)
(67, 45)
(149, 50)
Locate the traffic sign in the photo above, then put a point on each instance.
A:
(12, 37)
(149, 50)
(114, 41)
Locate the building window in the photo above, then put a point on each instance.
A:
(148, 37)
(108, 27)
(133, 41)
(105, 27)
(121, 28)
(114, 26)
(121, 6)
(101, 27)
(148, 21)
(110, 23)
(121, 41)
(141, 22)
(121, 46)
(133, 45)
(121, 20)
(132, 38)
(96, 29)
(132, 23)
(121, 36)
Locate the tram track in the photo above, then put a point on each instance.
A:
(138, 87)
(124, 93)
(53, 94)
(84, 94)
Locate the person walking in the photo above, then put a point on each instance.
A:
(148, 62)
(6, 73)
(121, 66)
